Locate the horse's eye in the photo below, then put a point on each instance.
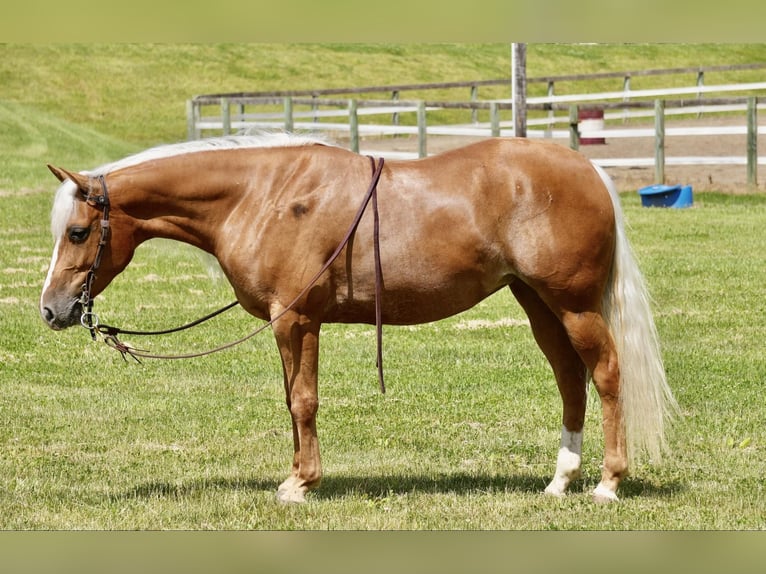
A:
(78, 234)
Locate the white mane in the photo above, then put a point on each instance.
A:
(63, 204)
(268, 139)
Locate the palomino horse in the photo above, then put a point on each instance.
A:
(454, 228)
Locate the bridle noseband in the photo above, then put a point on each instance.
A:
(88, 319)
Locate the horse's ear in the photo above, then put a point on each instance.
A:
(62, 175)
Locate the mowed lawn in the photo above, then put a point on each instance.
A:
(466, 436)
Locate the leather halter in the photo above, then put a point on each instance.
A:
(86, 301)
(110, 333)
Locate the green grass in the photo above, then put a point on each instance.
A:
(467, 434)
(465, 437)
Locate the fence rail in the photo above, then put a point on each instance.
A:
(699, 72)
(358, 117)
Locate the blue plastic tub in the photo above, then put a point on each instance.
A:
(666, 196)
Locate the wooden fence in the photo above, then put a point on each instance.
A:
(358, 117)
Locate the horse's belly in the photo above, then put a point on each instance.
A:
(411, 306)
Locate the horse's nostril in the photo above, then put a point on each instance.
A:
(47, 314)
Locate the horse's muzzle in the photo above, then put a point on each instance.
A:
(59, 319)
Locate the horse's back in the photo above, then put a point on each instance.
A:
(458, 226)
(539, 198)
(514, 175)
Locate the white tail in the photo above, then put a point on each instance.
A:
(646, 399)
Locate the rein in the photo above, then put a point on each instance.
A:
(110, 334)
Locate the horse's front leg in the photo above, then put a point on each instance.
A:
(298, 340)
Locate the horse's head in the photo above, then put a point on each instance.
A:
(88, 253)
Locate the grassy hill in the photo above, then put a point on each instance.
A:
(83, 104)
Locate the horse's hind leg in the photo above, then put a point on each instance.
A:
(571, 376)
(592, 340)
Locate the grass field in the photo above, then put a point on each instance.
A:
(467, 434)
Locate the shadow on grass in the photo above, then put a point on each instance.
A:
(340, 486)
(463, 484)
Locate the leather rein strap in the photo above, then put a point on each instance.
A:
(110, 334)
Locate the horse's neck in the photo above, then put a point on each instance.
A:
(181, 200)
(190, 198)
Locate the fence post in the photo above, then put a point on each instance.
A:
(659, 141)
(519, 61)
(422, 129)
(752, 142)
(353, 125)
(288, 101)
(395, 115)
(700, 84)
(191, 121)
(626, 97)
(551, 113)
(225, 116)
(494, 119)
(474, 98)
(574, 132)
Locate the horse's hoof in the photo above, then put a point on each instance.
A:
(289, 492)
(554, 490)
(293, 497)
(602, 495)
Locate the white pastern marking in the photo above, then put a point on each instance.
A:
(568, 462)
